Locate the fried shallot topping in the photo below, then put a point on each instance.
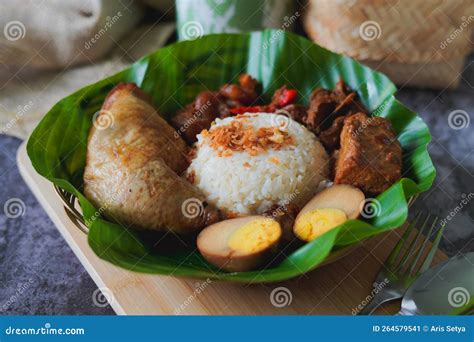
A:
(238, 136)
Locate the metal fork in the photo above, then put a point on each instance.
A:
(400, 271)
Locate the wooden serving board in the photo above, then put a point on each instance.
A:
(335, 289)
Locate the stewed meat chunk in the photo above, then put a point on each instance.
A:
(242, 94)
(331, 136)
(326, 105)
(209, 105)
(295, 111)
(198, 115)
(370, 157)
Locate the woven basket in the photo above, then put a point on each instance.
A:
(415, 42)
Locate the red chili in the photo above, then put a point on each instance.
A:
(287, 97)
(242, 110)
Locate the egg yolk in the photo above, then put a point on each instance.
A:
(255, 236)
(315, 223)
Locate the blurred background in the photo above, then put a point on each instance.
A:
(51, 48)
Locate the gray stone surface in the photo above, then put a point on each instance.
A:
(452, 151)
(39, 274)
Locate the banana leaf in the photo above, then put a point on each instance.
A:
(173, 76)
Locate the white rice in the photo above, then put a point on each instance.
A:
(232, 187)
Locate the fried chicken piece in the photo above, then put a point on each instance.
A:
(133, 166)
(370, 157)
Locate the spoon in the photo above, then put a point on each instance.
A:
(447, 289)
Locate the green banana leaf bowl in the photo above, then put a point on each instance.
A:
(173, 76)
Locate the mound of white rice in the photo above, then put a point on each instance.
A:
(246, 184)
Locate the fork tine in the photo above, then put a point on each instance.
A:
(434, 247)
(398, 247)
(421, 249)
(411, 248)
(412, 200)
